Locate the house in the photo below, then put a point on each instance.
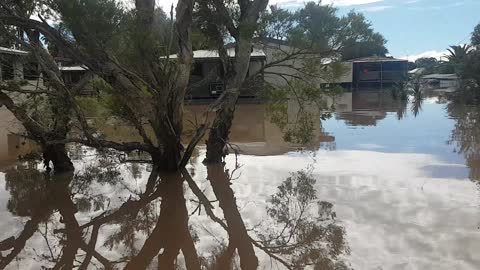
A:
(416, 72)
(369, 73)
(17, 65)
(441, 81)
(372, 72)
(275, 50)
(291, 65)
(206, 78)
(72, 74)
(378, 72)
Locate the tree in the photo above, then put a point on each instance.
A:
(471, 69)
(476, 36)
(428, 63)
(153, 94)
(360, 38)
(411, 65)
(220, 21)
(143, 85)
(350, 36)
(157, 87)
(466, 62)
(458, 54)
(276, 23)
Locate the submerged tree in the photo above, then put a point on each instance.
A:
(220, 21)
(142, 84)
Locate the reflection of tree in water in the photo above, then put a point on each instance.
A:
(35, 195)
(465, 136)
(416, 106)
(136, 170)
(39, 195)
(310, 237)
(130, 227)
(29, 197)
(303, 229)
(298, 109)
(27, 189)
(105, 171)
(408, 92)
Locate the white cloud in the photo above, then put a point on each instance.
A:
(370, 146)
(454, 4)
(350, 2)
(166, 4)
(432, 53)
(374, 8)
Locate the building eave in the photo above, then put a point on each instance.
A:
(4, 50)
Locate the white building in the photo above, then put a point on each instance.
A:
(17, 65)
(441, 81)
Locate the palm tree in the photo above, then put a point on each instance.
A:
(457, 54)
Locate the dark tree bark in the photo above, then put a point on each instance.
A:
(237, 232)
(171, 231)
(237, 72)
(57, 154)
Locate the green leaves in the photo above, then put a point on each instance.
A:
(476, 36)
(319, 28)
(91, 21)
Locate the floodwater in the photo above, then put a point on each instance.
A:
(402, 179)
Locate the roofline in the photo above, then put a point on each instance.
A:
(377, 61)
(373, 60)
(12, 51)
(263, 57)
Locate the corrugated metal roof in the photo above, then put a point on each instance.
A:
(376, 59)
(12, 51)
(441, 77)
(211, 54)
(73, 68)
(416, 71)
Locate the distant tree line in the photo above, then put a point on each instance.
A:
(463, 60)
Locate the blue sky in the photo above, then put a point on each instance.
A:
(413, 28)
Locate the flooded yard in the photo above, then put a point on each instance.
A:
(402, 179)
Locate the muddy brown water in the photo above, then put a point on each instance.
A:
(402, 180)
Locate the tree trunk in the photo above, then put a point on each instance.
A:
(60, 193)
(218, 136)
(57, 154)
(237, 231)
(171, 232)
(189, 251)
